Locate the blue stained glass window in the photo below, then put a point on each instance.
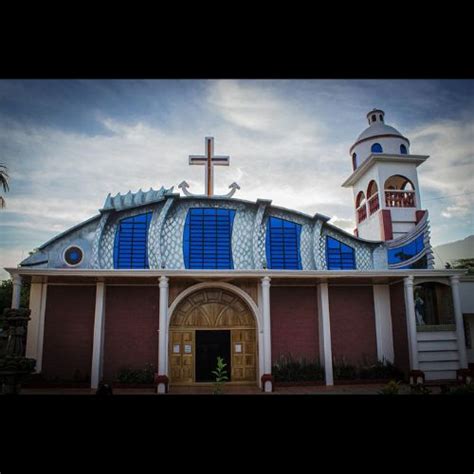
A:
(339, 256)
(376, 148)
(403, 149)
(283, 244)
(406, 252)
(130, 249)
(207, 242)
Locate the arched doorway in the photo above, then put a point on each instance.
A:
(210, 322)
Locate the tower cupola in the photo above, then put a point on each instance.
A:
(375, 116)
(384, 181)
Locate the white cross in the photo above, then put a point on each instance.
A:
(209, 160)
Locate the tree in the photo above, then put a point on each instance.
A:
(6, 290)
(3, 182)
(463, 263)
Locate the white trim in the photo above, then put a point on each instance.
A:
(296, 274)
(324, 324)
(98, 341)
(384, 158)
(383, 323)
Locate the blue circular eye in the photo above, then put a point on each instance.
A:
(73, 255)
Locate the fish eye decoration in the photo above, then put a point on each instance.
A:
(73, 255)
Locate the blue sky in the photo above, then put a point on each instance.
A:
(68, 143)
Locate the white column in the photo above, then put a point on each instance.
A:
(98, 343)
(35, 331)
(459, 321)
(16, 292)
(267, 334)
(163, 331)
(163, 325)
(261, 342)
(324, 324)
(383, 323)
(411, 322)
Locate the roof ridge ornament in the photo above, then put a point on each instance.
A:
(184, 187)
(130, 200)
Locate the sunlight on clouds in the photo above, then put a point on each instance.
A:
(449, 171)
(282, 147)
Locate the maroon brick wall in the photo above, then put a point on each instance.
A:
(352, 323)
(399, 327)
(131, 325)
(294, 320)
(68, 332)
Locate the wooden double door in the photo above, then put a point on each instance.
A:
(206, 324)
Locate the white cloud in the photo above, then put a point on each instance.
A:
(280, 148)
(446, 178)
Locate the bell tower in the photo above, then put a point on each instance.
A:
(384, 181)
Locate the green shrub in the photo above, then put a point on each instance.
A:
(381, 370)
(221, 376)
(289, 369)
(392, 388)
(136, 376)
(419, 389)
(343, 370)
(467, 389)
(366, 370)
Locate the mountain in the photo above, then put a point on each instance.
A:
(453, 251)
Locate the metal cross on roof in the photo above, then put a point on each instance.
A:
(209, 160)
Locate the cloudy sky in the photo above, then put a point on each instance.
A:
(67, 144)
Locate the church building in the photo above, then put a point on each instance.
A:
(174, 279)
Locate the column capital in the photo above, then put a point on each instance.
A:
(164, 281)
(408, 281)
(17, 279)
(454, 279)
(266, 281)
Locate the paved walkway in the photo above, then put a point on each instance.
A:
(365, 389)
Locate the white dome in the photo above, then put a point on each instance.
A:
(377, 129)
(384, 138)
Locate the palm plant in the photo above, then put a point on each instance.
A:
(3, 182)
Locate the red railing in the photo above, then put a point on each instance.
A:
(400, 198)
(361, 213)
(374, 204)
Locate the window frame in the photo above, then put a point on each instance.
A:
(283, 252)
(131, 230)
(376, 145)
(330, 264)
(211, 248)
